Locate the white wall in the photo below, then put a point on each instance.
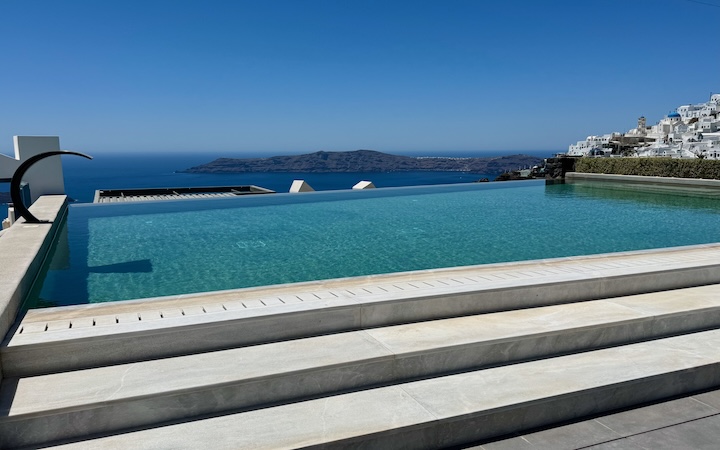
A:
(45, 177)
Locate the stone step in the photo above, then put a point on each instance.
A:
(454, 409)
(72, 338)
(38, 409)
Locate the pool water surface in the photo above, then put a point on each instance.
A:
(109, 252)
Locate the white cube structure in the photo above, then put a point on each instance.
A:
(300, 186)
(364, 185)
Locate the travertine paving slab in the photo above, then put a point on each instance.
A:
(673, 300)
(455, 409)
(501, 326)
(460, 394)
(28, 353)
(166, 389)
(293, 426)
(73, 389)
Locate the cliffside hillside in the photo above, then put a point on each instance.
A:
(364, 161)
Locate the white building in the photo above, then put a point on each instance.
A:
(592, 144)
(708, 124)
(689, 132)
(700, 110)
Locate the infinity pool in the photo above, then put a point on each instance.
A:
(108, 252)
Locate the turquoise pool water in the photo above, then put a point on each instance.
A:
(124, 251)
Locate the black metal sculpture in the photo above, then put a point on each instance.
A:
(15, 194)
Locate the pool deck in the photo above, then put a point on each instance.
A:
(618, 350)
(689, 422)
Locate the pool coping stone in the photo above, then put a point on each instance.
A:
(70, 338)
(23, 248)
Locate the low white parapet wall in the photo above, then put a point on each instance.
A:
(638, 179)
(23, 248)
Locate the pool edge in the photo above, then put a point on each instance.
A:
(26, 246)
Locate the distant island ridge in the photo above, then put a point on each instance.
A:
(365, 161)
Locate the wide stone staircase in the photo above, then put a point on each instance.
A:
(432, 360)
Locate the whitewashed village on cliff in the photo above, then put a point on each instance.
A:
(691, 131)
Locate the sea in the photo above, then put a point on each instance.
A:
(153, 170)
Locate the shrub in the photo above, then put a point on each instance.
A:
(652, 167)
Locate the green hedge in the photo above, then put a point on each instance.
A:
(653, 167)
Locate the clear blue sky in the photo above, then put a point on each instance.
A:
(304, 75)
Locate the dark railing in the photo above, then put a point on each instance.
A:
(15, 182)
